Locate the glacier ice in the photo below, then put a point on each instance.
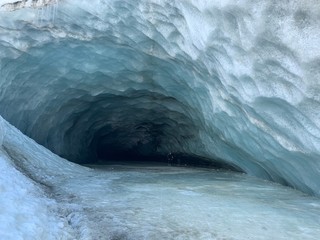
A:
(232, 82)
(27, 209)
(51, 198)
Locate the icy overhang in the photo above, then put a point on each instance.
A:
(233, 82)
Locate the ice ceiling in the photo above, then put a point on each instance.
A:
(230, 81)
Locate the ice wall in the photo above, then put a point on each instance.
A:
(230, 80)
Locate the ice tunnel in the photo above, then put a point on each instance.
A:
(236, 83)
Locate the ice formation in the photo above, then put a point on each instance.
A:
(27, 209)
(51, 198)
(230, 81)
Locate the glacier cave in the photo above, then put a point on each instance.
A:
(232, 85)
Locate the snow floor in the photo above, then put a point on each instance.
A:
(163, 202)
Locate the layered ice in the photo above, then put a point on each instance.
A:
(228, 81)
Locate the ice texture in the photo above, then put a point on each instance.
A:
(160, 202)
(236, 81)
(28, 210)
(46, 197)
(12, 5)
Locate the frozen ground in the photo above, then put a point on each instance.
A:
(161, 202)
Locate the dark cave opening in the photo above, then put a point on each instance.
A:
(115, 148)
(176, 159)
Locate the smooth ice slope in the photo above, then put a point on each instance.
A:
(236, 81)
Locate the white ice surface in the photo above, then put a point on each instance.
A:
(27, 212)
(159, 202)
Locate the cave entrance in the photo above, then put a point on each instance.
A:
(146, 144)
